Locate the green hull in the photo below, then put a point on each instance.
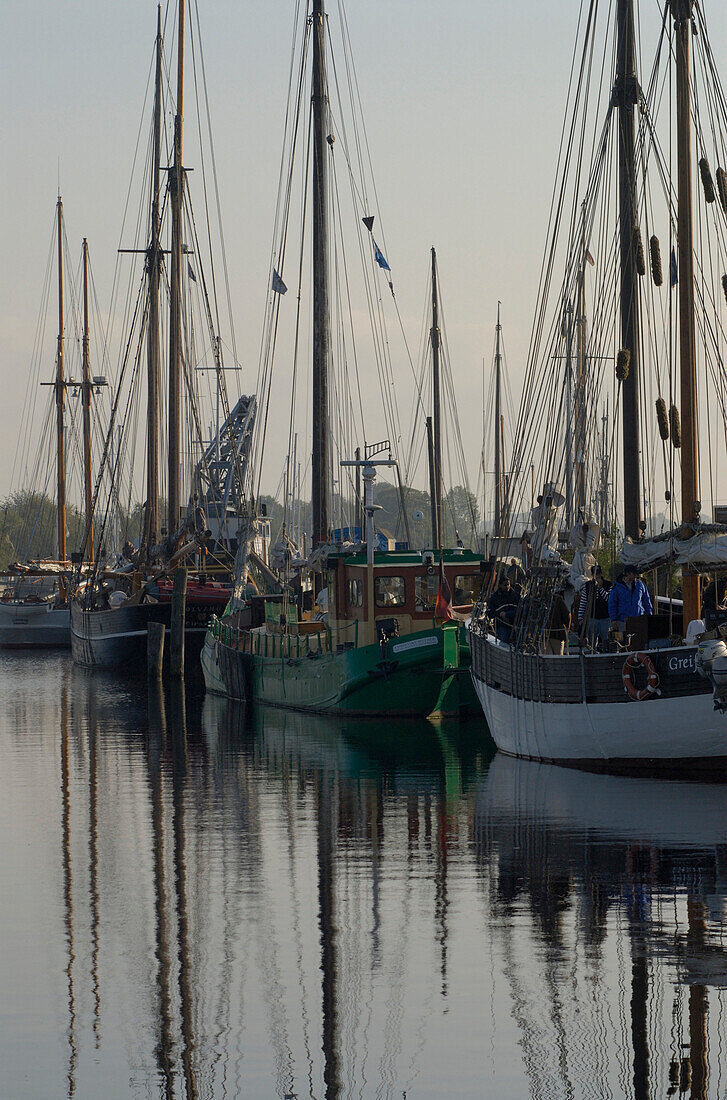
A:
(423, 674)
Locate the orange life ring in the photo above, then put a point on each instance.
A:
(640, 660)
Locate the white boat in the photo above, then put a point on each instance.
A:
(575, 708)
(657, 694)
(40, 623)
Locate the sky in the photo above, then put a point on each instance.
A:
(463, 106)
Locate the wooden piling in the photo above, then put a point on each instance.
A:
(179, 601)
(155, 650)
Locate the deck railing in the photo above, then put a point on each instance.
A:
(261, 643)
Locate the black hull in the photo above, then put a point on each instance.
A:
(116, 640)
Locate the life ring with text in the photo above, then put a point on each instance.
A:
(640, 660)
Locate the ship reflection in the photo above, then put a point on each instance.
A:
(227, 878)
(583, 866)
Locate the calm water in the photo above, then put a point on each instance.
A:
(196, 904)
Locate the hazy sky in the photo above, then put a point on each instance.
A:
(463, 105)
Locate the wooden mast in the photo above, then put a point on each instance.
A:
(498, 464)
(580, 388)
(176, 191)
(627, 96)
(154, 263)
(320, 473)
(436, 542)
(86, 402)
(568, 325)
(60, 388)
(682, 15)
(436, 339)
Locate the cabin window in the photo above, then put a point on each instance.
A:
(389, 591)
(467, 589)
(425, 592)
(355, 592)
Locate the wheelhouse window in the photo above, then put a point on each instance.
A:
(425, 591)
(467, 589)
(355, 592)
(389, 591)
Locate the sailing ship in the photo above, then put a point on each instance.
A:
(380, 644)
(111, 611)
(657, 696)
(34, 610)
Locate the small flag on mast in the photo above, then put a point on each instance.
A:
(589, 257)
(673, 274)
(191, 274)
(278, 285)
(369, 222)
(379, 257)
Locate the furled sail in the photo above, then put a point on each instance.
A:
(705, 549)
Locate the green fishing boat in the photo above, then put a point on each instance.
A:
(361, 624)
(378, 650)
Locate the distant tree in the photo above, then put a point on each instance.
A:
(28, 527)
(460, 517)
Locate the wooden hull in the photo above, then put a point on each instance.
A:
(34, 626)
(407, 680)
(576, 709)
(116, 639)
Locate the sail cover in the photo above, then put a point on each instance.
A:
(706, 549)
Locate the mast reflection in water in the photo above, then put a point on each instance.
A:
(200, 903)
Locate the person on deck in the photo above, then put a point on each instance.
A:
(502, 606)
(593, 613)
(714, 596)
(559, 621)
(628, 598)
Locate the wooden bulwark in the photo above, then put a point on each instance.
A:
(583, 678)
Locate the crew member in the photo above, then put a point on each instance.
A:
(559, 620)
(593, 614)
(628, 598)
(502, 606)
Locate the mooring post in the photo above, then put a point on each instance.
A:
(155, 650)
(179, 600)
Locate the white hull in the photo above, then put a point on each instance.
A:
(34, 626)
(661, 730)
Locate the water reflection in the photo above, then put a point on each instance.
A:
(204, 902)
(587, 865)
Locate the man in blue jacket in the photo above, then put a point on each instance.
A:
(628, 597)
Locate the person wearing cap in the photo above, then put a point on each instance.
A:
(628, 598)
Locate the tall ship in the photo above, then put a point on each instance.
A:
(34, 607)
(191, 519)
(640, 232)
(362, 623)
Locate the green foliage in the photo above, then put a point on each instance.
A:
(458, 508)
(608, 552)
(28, 528)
